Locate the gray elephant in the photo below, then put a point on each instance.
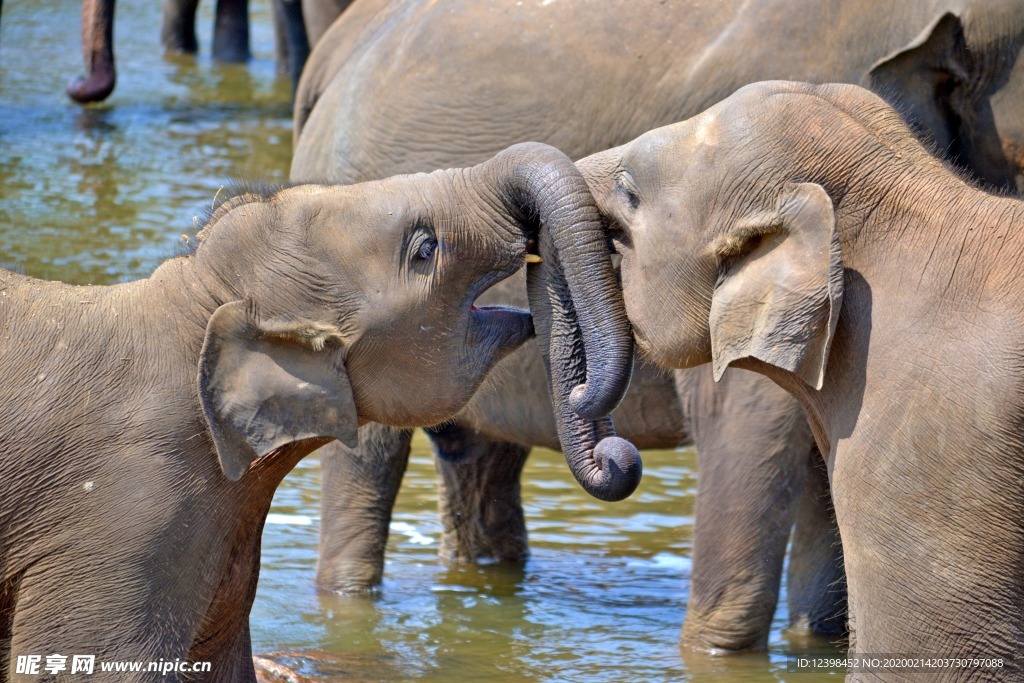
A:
(802, 232)
(398, 86)
(300, 314)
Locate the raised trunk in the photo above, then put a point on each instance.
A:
(579, 314)
(98, 50)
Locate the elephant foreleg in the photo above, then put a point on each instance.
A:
(480, 505)
(358, 490)
(752, 442)
(178, 32)
(816, 581)
(231, 31)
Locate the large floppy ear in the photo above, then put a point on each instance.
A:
(780, 287)
(921, 79)
(267, 384)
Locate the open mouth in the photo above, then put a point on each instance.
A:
(503, 327)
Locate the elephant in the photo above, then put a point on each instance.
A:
(405, 85)
(146, 425)
(802, 232)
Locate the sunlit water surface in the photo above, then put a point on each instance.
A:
(103, 194)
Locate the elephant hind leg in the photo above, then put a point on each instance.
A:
(480, 503)
(358, 491)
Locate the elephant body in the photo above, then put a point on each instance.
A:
(145, 426)
(815, 241)
(408, 85)
(411, 85)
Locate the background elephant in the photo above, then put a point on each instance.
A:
(801, 231)
(405, 86)
(289, 324)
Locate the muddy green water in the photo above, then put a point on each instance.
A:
(103, 194)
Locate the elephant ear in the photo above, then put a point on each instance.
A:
(780, 287)
(921, 79)
(265, 385)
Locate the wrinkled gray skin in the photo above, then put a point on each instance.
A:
(408, 85)
(146, 425)
(800, 231)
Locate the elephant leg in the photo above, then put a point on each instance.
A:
(816, 581)
(282, 60)
(178, 32)
(231, 31)
(98, 51)
(291, 42)
(480, 505)
(752, 442)
(358, 491)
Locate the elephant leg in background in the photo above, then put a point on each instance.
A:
(816, 580)
(291, 47)
(358, 491)
(231, 31)
(178, 32)
(752, 441)
(479, 499)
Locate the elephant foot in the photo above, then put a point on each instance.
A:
(95, 87)
(269, 671)
(480, 506)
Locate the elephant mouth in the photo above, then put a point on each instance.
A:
(501, 328)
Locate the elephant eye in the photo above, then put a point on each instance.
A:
(426, 249)
(624, 186)
(422, 244)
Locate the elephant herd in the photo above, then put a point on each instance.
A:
(802, 214)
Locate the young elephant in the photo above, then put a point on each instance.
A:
(799, 231)
(302, 313)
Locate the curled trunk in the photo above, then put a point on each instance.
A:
(579, 314)
(98, 50)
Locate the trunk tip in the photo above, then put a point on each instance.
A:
(593, 402)
(621, 469)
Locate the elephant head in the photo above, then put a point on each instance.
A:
(729, 254)
(370, 285)
(961, 82)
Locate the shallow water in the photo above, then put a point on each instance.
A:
(103, 194)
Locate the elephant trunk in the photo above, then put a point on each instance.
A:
(579, 315)
(98, 50)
